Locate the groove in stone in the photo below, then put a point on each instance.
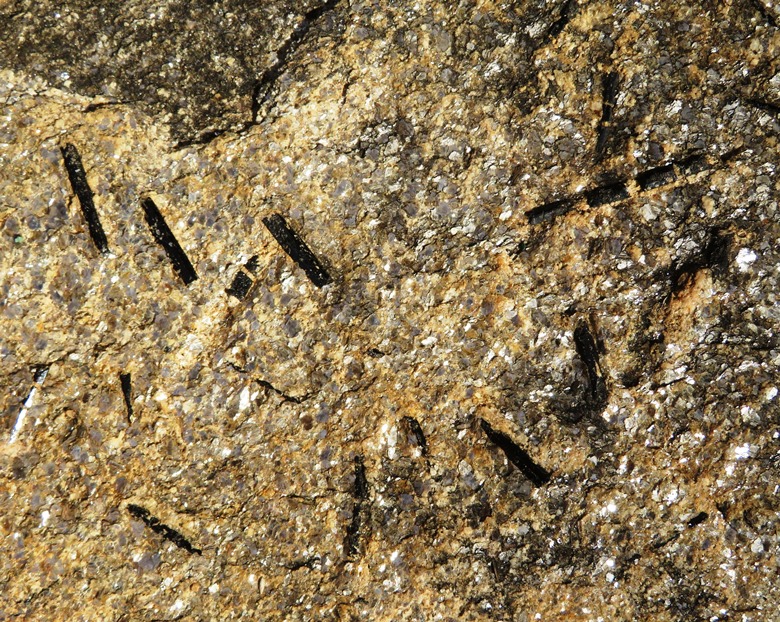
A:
(165, 238)
(768, 107)
(264, 86)
(295, 399)
(765, 12)
(202, 139)
(714, 255)
(39, 375)
(78, 181)
(564, 18)
(297, 249)
(731, 154)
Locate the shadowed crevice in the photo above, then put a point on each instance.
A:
(263, 89)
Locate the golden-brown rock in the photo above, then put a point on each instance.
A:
(498, 290)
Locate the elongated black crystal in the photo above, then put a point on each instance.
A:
(604, 195)
(550, 210)
(608, 101)
(588, 352)
(360, 495)
(419, 435)
(166, 532)
(165, 238)
(517, 455)
(297, 249)
(127, 392)
(78, 180)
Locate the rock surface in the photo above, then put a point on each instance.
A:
(480, 319)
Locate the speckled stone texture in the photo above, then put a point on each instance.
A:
(529, 372)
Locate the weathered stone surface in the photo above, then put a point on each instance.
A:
(197, 65)
(512, 261)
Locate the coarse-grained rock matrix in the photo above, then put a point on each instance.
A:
(389, 310)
